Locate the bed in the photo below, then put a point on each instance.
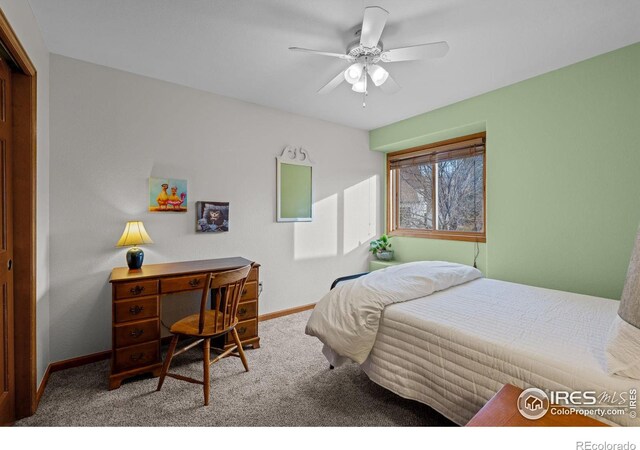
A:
(454, 349)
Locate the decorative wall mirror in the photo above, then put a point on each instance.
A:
(294, 175)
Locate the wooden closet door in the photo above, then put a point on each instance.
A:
(7, 385)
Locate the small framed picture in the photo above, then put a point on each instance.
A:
(212, 217)
(167, 195)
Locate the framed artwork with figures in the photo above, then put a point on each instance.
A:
(167, 195)
(212, 217)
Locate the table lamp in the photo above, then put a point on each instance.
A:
(134, 234)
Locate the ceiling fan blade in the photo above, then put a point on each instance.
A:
(422, 51)
(390, 86)
(331, 85)
(373, 23)
(317, 52)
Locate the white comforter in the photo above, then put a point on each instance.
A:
(454, 349)
(347, 318)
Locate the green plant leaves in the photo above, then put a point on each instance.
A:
(380, 245)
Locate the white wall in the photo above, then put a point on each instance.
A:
(21, 18)
(111, 130)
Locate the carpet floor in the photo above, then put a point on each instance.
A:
(289, 384)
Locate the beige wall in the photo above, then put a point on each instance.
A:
(21, 18)
(111, 130)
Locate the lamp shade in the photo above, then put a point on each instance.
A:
(360, 86)
(353, 73)
(134, 234)
(378, 74)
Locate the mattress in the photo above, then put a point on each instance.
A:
(454, 349)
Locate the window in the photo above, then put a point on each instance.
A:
(438, 191)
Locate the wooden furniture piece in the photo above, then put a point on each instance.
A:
(136, 310)
(502, 411)
(225, 289)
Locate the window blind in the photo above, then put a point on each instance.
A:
(464, 149)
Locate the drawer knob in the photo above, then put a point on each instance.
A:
(137, 290)
(136, 333)
(244, 292)
(242, 330)
(136, 356)
(242, 311)
(135, 310)
(195, 282)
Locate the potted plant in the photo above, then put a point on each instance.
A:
(381, 248)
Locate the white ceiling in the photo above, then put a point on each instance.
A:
(239, 48)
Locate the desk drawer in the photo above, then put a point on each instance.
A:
(136, 289)
(247, 310)
(253, 274)
(137, 356)
(136, 309)
(250, 291)
(178, 284)
(246, 330)
(136, 332)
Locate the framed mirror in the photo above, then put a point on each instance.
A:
(294, 174)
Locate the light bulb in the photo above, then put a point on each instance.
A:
(378, 74)
(360, 85)
(353, 73)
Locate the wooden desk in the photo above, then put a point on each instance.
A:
(502, 411)
(136, 310)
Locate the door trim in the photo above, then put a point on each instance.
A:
(24, 91)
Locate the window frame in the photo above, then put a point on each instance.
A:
(392, 194)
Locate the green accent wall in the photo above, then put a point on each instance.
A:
(563, 175)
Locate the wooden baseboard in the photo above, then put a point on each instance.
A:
(68, 364)
(79, 361)
(43, 384)
(285, 312)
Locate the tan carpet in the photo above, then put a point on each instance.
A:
(289, 384)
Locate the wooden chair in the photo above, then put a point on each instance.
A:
(226, 288)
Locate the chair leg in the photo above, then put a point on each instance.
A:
(206, 350)
(167, 361)
(240, 349)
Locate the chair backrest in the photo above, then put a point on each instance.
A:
(226, 289)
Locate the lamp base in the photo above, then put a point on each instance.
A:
(135, 256)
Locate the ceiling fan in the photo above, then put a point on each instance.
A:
(366, 53)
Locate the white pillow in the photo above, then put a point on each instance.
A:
(623, 345)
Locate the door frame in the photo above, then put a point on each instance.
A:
(24, 110)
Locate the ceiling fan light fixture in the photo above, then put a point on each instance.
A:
(378, 74)
(353, 73)
(367, 50)
(361, 85)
